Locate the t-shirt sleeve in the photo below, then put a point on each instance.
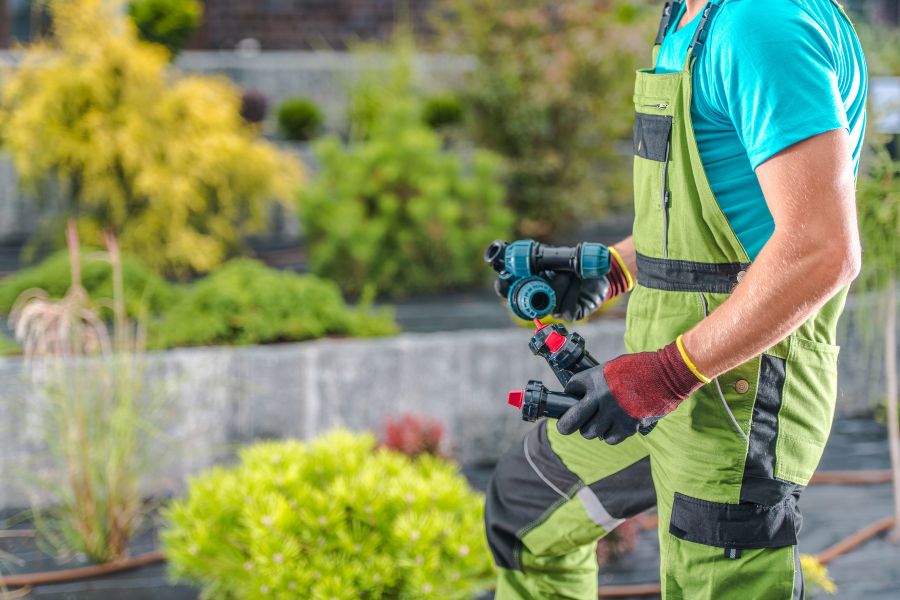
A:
(775, 75)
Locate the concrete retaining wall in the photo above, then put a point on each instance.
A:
(220, 398)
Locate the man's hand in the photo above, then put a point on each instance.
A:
(629, 392)
(577, 298)
(814, 252)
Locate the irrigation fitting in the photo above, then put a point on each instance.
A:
(525, 268)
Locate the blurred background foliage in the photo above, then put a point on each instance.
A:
(146, 293)
(246, 302)
(94, 117)
(443, 111)
(299, 119)
(878, 203)
(882, 47)
(551, 93)
(393, 209)
(166, 22)
(533, 140)
(242, 302)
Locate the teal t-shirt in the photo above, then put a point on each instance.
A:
(772, 73)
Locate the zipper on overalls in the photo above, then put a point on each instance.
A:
(665, 200)
(659, 105)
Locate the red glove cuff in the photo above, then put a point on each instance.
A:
(651, 384)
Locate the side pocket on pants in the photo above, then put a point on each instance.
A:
(735, 526)
(804, 422)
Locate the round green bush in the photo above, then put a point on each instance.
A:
(335, 518)
(299, 119)
(442, 111)
(166, 22)
(396, 211)
(246, 302)
(146, 293)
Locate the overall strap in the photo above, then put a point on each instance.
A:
(709, 13)
(670, 12)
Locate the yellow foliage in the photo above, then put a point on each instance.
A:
(162, 159)
(815, 575)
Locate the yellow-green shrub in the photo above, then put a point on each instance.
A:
(164, 161)
(335, 518)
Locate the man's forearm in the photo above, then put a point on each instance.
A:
(777, 295)
(813, 253)
(626, 251)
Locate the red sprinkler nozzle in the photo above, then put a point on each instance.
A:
(555, 341)
(515, 397)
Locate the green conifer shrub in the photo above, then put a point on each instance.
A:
(442, 111)
(299, 119)
(246, 302)
(167, 22)
(146, 293)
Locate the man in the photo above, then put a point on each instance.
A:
(746, 140)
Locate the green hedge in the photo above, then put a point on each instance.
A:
(442, 111)
(145, 291)
(300, 119)
(335, 518)
(245, 302)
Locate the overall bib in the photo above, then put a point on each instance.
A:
(726, 468)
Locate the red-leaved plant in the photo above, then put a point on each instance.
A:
(413, 435)
(620, 542)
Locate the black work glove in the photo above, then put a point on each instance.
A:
(501, 286)
(577, 298)
(598, 414)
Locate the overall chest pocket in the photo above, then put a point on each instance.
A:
(652, 139)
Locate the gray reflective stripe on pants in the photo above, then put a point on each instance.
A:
(538, 471)
(596, 511)
(529, 483)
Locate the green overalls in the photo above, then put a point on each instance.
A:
(726, 468)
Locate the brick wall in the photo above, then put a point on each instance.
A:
(4, 24)
(304, 24)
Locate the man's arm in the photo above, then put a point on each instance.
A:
(814, 252)
(626, 250)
